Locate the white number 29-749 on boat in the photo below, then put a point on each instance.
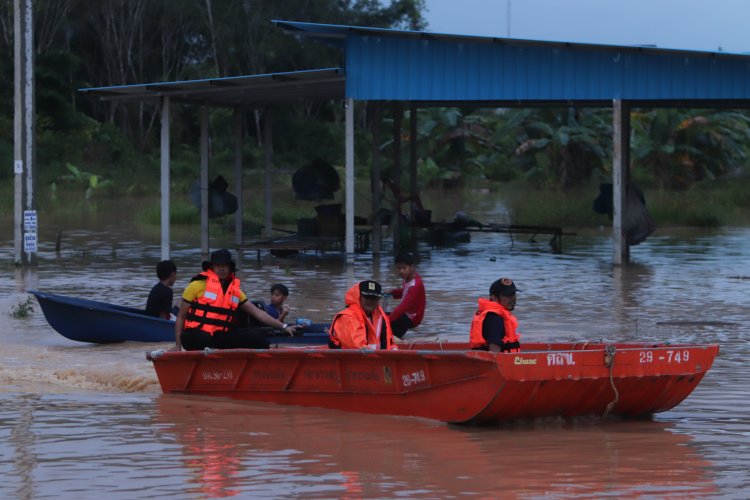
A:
(668, 356)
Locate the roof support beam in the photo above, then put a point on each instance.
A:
(349, 157)
(413, 196)
(238, 115)
(621, 160)
(267, 172)
(398, 115)
(204, 183)
(375, 184)
(165, 160)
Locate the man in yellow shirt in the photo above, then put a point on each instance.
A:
(208, 306)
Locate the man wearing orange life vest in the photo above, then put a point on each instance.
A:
(363, 324)
(208, 306)
(494, 328)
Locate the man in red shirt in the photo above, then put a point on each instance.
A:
(409, 313)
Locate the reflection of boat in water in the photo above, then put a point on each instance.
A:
(242, 448)
(449, 382)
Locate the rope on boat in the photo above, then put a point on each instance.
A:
(436, 340)
(609, 361)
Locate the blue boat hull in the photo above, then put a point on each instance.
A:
(85, 320)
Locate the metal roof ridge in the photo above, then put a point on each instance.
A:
(217, 80)
(339, 31)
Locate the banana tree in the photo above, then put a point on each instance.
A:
(676, 147)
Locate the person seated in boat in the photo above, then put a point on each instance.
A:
(159, 303)
(410, 311)
(277, 308)
(494, 327)
(362, 324)
(208, 305)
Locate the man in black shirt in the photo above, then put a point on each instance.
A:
(159, 302)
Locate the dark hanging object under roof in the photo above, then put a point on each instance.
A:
(317, 180)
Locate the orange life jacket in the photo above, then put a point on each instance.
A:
(372, 329)
(214, 310)
(510, 341)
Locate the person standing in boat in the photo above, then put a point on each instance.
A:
(494, 327)
(208, 306)
(362, 324)
(159, 303)
(410, 311)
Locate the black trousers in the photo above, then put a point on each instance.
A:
(400, 326)
(194, 339)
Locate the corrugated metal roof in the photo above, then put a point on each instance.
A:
(250, 91)
(385, 64)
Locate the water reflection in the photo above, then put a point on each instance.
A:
(95, 412)
(233, 447)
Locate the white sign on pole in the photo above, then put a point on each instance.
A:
(29, 242)
(29, 220)
(18, 167)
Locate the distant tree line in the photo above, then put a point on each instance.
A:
(94, 43)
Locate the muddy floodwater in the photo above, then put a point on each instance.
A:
(83, 420)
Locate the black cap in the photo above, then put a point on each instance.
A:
(504, 287)
(222, 256)
(370, 288)
(404, 257)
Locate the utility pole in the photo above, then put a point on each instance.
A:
(23, 133)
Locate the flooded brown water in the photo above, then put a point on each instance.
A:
(81, 420)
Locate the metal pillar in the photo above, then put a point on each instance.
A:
(376, 186)
(621, 160)
(204, 183)
(398, 115)
(238, 114)
(413, 173)
(267, 173)
(349, 162)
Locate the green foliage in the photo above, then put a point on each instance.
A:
(674, 148)
(179, 213)
(22, 309)
(91, 183)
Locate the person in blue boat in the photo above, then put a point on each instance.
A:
(208, 306)
(277, 308)
(494, 327)
(362, 324)
(159, 303)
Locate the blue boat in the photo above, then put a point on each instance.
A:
(86, 320)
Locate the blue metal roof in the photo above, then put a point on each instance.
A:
(386, 64)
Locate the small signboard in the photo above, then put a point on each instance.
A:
(18, 167)
(29, 220)
(29, 242)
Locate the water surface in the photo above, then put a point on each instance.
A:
(81, 420)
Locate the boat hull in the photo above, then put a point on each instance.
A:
(91, 321)
(448, 382)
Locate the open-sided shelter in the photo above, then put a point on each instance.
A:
(427, 69)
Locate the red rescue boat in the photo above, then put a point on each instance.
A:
(449, 382)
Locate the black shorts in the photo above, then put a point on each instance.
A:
(400, 326)
(194, 339)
